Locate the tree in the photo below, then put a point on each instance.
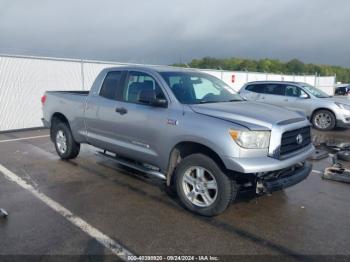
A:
(293, 66)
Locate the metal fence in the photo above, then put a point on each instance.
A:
(23, 80)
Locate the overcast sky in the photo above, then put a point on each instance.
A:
(168, 31)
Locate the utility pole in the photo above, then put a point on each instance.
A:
(316, 76)
(82, 74)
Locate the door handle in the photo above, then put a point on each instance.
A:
(121, 110)
(286, 100)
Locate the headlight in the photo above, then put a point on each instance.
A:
(251, 139)
(343, 106)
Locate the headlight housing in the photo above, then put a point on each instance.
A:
(251, 139)
(343, 106)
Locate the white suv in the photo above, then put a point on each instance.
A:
(325, 112)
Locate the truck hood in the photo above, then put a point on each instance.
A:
(253, 115)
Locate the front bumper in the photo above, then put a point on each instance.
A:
(266, 164)
(345, 124)
(284, 179)
(343, 117)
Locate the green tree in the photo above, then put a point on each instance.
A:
(293, 66)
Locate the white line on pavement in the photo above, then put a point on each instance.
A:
(22, 138)
(103, 239)
(317, 171)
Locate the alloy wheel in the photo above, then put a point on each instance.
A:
(61, 142)
(200, 186)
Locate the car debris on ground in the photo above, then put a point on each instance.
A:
(335, 151)
(342, 149)
(319, 154)
(344, 155)
(338, 145)
(337, 173)
(3, 213)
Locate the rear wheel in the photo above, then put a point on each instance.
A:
(202, 186)
(65, 145)
(324, 120)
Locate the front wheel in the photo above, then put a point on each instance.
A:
(65, 145)
(324, 120)
(202, 186)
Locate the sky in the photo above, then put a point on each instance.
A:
(173, 31)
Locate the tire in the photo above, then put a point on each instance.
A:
(190, 189)
(64, 142)
(324, 120)
(344, 155)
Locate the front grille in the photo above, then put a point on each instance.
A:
(289, 143)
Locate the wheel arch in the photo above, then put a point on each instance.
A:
(186, 148)
(321, 108)
(58, 118)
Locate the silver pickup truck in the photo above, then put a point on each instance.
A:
(185, 127)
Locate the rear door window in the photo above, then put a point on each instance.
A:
(274, 89)
(111, 84)
(256, 88)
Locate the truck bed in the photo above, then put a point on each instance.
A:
(71, 104)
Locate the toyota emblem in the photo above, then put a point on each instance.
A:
(299, 139)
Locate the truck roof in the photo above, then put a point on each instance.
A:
(153, 68)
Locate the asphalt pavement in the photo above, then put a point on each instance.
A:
(140, 215)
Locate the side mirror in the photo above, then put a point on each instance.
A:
(304, 96)
(149, 97)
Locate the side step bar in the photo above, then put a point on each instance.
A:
(135, 166)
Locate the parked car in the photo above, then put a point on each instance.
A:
(325, 112)
(343, 90)
(185, 127)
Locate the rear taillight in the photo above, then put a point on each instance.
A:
(43, 100)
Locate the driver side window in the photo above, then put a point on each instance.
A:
(294, 91)
(138, 82)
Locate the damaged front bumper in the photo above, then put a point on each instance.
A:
(249, 165)
(278, 180)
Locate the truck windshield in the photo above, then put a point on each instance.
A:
(315, 91)
(199, 88)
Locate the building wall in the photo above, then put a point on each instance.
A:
(23, 80)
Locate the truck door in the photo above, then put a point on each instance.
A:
(273, 95)
(101, 118)
(252, 92)
(141, 126)
(296, 99)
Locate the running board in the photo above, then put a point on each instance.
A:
(135, 166)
